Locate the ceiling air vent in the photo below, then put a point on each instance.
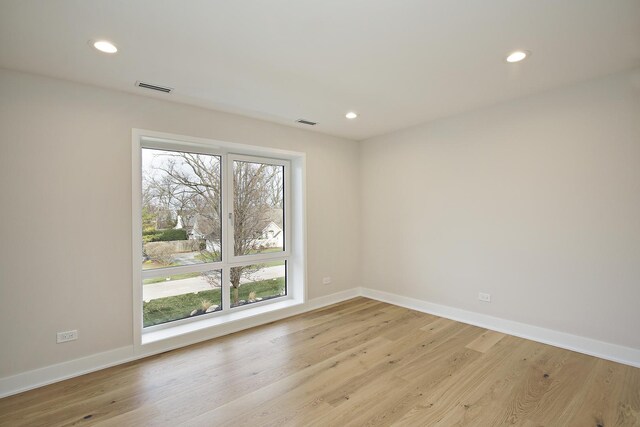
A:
(306, 122)
(154, 87)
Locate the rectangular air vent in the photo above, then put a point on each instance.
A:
(154, 87)
(306, 122)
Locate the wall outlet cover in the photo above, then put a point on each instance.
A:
(67, 336)
(484, 297)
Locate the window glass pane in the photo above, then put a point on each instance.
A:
(180, 296)
(258, 282)
(258, 208)
(181, 207)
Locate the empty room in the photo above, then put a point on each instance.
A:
(320, 213)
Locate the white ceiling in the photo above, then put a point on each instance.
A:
(395, 62)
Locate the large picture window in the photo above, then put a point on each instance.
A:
(215, 232)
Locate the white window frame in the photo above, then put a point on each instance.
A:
(294, 230)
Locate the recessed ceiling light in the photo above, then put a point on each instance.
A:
(351, 115)
(517, 56)
(105, 46)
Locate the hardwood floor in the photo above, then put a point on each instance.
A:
(357, 363)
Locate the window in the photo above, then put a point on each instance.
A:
(214, 231)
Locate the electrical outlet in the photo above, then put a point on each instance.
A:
(326, 280)
(67, 336)
(484, 297)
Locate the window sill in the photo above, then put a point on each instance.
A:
(231, 319)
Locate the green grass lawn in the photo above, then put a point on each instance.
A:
(174, 277)
(268, 263)
(206, 256)
(271, 263)
(149, 264)
(163, 310)
(266, 251)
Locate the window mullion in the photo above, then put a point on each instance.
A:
(229, 212)
(227, 227)
(226, 294)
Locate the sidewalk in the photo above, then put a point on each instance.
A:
(198, 284)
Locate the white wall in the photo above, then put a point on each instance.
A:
(536, 201)
(65, 216)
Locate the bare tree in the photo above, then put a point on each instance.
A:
(252, 204)
(276, 188)
(193, 185)
(170, 200)
(190, 184)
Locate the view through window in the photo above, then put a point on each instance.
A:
(193, 243)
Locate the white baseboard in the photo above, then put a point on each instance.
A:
(335, 298)
(616, 353)
(50, 374)
(61, 371)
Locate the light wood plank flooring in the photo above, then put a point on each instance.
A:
(357, 363)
